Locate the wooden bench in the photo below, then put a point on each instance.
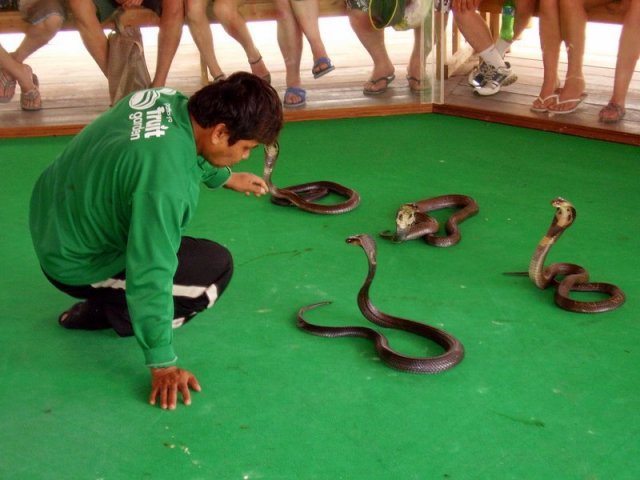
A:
(252, 10)
(461, 51)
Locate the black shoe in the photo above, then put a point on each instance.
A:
(83, 316)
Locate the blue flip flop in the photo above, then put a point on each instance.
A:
(299, 92)
(317, 71)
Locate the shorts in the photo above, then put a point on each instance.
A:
(362, 5)
(105, 8)
(36, 11)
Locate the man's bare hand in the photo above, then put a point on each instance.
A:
(247, 183)
(167, 382)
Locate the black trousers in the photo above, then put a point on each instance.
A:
(204, 271)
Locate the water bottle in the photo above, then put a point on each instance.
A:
(506, 27)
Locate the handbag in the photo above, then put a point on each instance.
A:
(126, 66)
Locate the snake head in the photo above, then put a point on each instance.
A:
(565, 212)
(367, 243)
(406, 216)
(271, 153)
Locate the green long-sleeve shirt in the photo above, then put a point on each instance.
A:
(119, 197)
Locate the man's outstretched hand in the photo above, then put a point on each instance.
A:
(167, 382)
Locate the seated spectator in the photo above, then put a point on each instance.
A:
(45, 18)
(563, 21)
(524, 10)
(198, 21)
(475, 30)
(90, 13)
(372, 40)
(628, 53)
(550, 42)
(228, 13)
(295, 18)
(22, 75)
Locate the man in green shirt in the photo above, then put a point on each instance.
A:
(107, 216)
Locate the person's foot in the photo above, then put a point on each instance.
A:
(612, 113)
(259, 69)
(549, 93)
(571, 96)
(294, 97)
(496, 78)
(82, 316)
(477, 74)
(7, 86)
(321, 67)
(378, 84)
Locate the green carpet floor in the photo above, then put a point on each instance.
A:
(541, 394)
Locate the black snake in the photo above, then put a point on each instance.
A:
(304, 196)
(413, 221)
(574, 278)
(453, 349)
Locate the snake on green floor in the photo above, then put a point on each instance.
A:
(413, 220)
(453, 349)
(568, 277)
(305, 195)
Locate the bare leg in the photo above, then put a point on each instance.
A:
(290, 43)
(307, 13)
(573, 24)
(550, 41)
(202, 36)
(236, 26)
(91, 31)
(474, 29)
(415, 69)
(628, 53)
(37, 36)
(169, 33)
(524, 12)
(373, 42)
(20, 72)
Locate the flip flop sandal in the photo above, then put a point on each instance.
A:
(544, 102)
(612, 113)
(578, 101)
(7, 86)
(31, 101)
(217, 78)
(266, 77)
(387, 79)
(317, 69)
(298, 92)
(420, 85)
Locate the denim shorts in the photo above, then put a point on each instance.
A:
(36, 11)
(105, 8)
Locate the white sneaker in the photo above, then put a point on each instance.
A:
(496, 78)
(477, 74)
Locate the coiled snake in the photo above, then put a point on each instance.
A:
(413, 221)
(574, 277)
(453, 349)
(304, 195)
